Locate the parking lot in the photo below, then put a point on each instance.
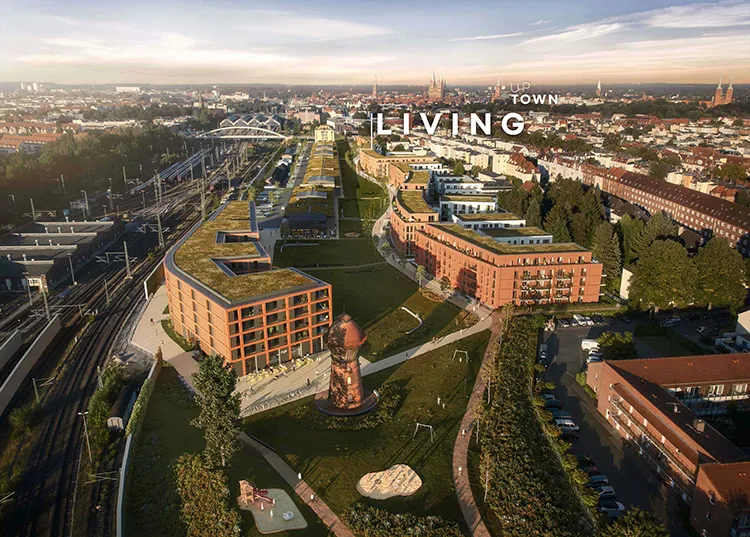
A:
(634, 482)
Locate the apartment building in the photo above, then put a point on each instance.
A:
(403, 175)
(376, 165)
(660, 404)
(465, 204)
(409, 213)
(720, 503)
(709, 215)
(225, 295)
(498, 273)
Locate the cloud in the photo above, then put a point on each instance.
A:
(578, 33)
(714, 15)
(306, 27)
(484, 37)
(540, 21)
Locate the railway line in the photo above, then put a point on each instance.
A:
(44, 496)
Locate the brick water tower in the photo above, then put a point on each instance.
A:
(346, 395)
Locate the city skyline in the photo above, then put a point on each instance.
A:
(86, 43)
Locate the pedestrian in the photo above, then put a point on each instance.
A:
(438, 400)
(312, 497)
(308, 382)
(443, 406)
(460, 470)
(152, 321)
(316, 372)
(463, 433)
(299, 476)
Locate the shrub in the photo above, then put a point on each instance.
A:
(184, 344)
(139, 408)
(101, 403)
(24, 418)
(388, 404)
(369, 521)
(581, 379)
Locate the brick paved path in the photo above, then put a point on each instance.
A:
(302, 489)
(469, 508)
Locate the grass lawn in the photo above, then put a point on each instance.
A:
(326, 253)
(373, 296)
(360, 193)
(152, 508)
(348, 226)
(333, 461)
(662, 346)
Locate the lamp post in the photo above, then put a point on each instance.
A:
(72, 274)
(86, 431)
(28, 288)
(15, 211)
(86, 201)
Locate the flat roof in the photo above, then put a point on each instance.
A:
(419, 177)
(196, 253)
(491, 245)
(413, 201)
(466, 198)
(515, 232)
(488, 217)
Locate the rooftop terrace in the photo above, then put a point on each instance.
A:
(488, 217)
(505, 232)
(491, 245)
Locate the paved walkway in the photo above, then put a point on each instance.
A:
(303, 490)
(340, 267)
(149, 337)
(461, 482)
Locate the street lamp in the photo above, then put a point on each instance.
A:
(86, 199)
(28, 288)
(72, 274)
(15, 211)
(86, 431)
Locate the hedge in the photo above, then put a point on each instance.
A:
(139, 408)
(529, 491)
(368, 521)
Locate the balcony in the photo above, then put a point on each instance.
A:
(302, 323)
(299, 312)
(300, 336)
(320, 295)
(318, 319)
(299, 299)
(275, 318)
(320, 306)
(653, 446)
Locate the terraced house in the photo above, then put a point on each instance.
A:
(225, 295)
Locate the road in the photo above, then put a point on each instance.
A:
(636, 484)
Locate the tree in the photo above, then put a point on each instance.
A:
(730, 172)
(533, 214)
(579, 227)
(663, 277)
(557, 224)
(220, 409)
(659, 169)
(659, 226)
(739, 122)
(630, 228)
(284, 229)
(721, 276)
(606, 248)
(445, 284)
(205, 507)
(420, 274)
(635, 523)
(612, 142)
(459, 169)
(475, 170)
(617, 346)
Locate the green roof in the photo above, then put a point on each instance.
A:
(403, 166)
(196, 257)
(458, 198)
(514, 232)
(488, 217)
(501, 248)
(419, 177)
(413, 201)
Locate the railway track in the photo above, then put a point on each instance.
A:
(45, 494)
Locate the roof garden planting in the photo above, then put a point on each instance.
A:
(199, 253)
(413, 201)
(491, 245)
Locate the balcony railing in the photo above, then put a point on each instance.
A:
(686, 474)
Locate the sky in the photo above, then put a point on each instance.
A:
(354, 41)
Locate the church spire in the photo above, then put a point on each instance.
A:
(731, 76)
(719, 86)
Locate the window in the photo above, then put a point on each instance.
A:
(739, 389)
(716, 389)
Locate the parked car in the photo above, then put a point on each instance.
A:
(606, 492)
(566, 425)
(597, 481)
(588, 465)
(552, 403)
(611, 508)
(559, 414)
(704, 330)
(547, 396)
(594, 358)
(598, 319)
(624, 319)
(563, 323)
(589, 321)
(573, 322)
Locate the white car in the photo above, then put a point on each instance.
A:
(589, 321)
(566, 425)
